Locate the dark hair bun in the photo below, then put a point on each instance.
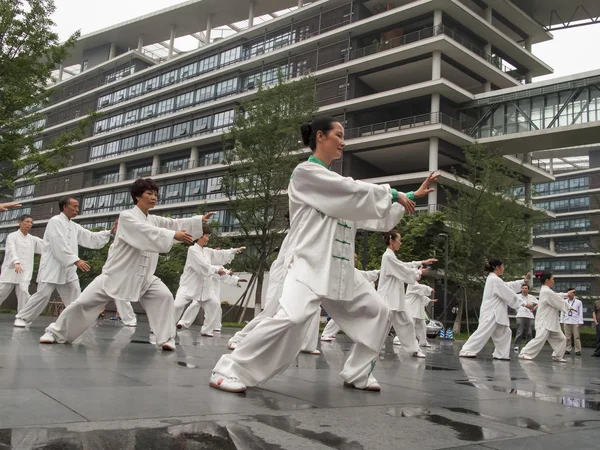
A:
(306, 131)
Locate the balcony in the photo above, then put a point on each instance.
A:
(420, 120)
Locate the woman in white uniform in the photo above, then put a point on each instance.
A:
(547, 325)
(324, 210)
(417, 299)
(493, 316)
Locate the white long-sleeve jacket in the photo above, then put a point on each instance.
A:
(417, 298)
(325, 211)
(62, 238)
(133, 256)
(549, 306)
(496, 295)
(20, 249)
(201, 264)
(394, 274)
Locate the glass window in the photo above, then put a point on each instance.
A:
(89, 203)
(112, 148)
(579, 183)
(579, 203)
(169, 78)
(223, 119)
(23, 192)
(104, 101)
(230, 56)
(148, 111)
(205, 94)
(207, 64)
(207, 159)
(184, 100)
(115, 121)
(120, 95)
(162, 134)
(165, 106)
(188, 71)
(181, 129)
(176, 165)
(145, 139)
(213, 187)
(131, 116)
(101, 126)
(152, 83)
(227, 87)
(194, 190)
(135, 90)
(104, 202)
(127, 143)
(581, 224)
(120, 199)
(201, 125)
(172, 193)
(97, 151)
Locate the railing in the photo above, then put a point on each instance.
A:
(402, 124)
(542, 232)
(568, 190)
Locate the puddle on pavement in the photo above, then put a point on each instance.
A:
(188, 365)
(430, 367)
(464, 431)
(292, 426)
(275, 404)
(202, 435)
(523, 422)
(138, 341)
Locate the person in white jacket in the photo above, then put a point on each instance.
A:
(325, 210)
(17, 267)
(392, 279)
(128, 274)
(493, 315)
(417, 299)
(547, 325)
(214, 284)
(525, 318)
(60, 260)
(195, 282)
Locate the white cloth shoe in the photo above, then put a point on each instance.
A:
(525, 358)
(559, 360)
(419, 354)
(227, 384)
(48, 338)
(20, 323)
(396, 341)
(207, 334)
(326, 338)
(467, 355)
(426, 345)
(311, 352)
(217, 330)
(169, 345)
(232, 345)
(372, 385)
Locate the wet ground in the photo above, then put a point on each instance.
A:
(113, 390)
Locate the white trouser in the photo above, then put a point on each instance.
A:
(21, 290)
(500, 334)
(405, 330)
(269, 311)
(311, 338)
(37, 302)
(81, 314)
(421, 330)
(331, 329)
(274, 343)
(210, 306)
(556, 339)
(126, 313)
(219, 317)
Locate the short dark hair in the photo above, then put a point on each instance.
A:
(22, 217)
(525, 285)
(206, 229)
(64, 201)
(309, 130)
(141, 185)
(571, 289)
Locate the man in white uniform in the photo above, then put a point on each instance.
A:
(525, 317)
(128, 274)
(17, 267)
(60, 260)
(195, 282)
(572, 320)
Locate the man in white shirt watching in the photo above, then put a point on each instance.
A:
(572, 320)
(525, 318)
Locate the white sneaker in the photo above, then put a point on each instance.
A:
(525, 358)
(372, 385)
(169, 345)
(179, 326)
(426, 345)
(419, 354)
(396, 341)
(326, 338)
(309, 352)
(232, 345)
(207, 334)
(217, 330)
(20, 323)
(132, 324)
(48, 338)
(559, 360)
(227, 384)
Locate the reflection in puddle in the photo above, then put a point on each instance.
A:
(464, 431)
(430, 367)
(188, 365)
(138, 341)
(290, 425)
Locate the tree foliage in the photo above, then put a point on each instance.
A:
(261, 153)
(486, 221)
(30, 51)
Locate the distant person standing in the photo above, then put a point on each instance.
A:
(572, 320)
(525, 318)
(596, 315)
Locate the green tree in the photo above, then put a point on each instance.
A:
(485, 220)
(30, 51)
(261, 153)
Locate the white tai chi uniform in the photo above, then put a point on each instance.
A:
(128, 275)
(214, 283)
(493, 317)
(196, 284)
(394, 274)
(324, 208)
(547, 326)
(332, 328)
(57, 269)
(417, 298)
(19, 249)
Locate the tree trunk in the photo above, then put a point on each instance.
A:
(258, 295)
(467, 312)
(246, 300)
(458, 319)
(241, 299)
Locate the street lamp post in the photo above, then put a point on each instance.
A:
(445, 237)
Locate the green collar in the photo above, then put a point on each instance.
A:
(314, 159)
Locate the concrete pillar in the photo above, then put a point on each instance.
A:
(61, 70)
(436, 65)
(528, 78)
(552, 245)
(528, 44)
(208, 29)
(113, 50)
(527, 185)
(171, 42)
(300, 3)
(251, 15)
(487, 14)
(434, 144)
(435, 103)
(122, 171)
(437, 17)
(194, 157)
(140, 43)
(551, 166)
(487, 86)
(155, 165)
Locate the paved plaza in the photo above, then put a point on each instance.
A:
(113, 390)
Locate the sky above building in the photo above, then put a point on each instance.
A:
(569, 52)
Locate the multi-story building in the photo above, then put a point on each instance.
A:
(413, 82)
